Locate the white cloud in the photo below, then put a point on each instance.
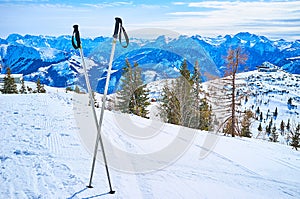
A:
(232, 17)
(147, 6)
(111, 4)
(179, 3)
(187, 13)
(207, 18)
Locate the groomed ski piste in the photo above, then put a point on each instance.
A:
(47, 142)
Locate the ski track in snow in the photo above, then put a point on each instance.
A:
(42, 156)
(36, 146)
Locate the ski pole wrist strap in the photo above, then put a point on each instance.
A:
(119, 30)
(77, 37)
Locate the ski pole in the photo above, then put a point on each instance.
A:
(76, 46)
(118, 31)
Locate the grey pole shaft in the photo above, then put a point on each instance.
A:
(88, 85)
(99, 137)
(96, 121)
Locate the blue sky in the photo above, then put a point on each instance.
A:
(271, 18)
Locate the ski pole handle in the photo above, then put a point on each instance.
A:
(119, 29)
(77, 37)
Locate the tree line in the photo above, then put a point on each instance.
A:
(10, 87)
(184, 102)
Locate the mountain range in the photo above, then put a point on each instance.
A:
(54, 61)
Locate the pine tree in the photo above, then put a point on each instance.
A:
(274, 135)
(183, 91)
(29, 89)
(186, 74)
(259, 128)
(140, 101)
(290, 103)
(205, 118)
(268, 130)
(170, 106)
(270, 126)
(282, 126)
(201, 115)
(133, 97)
(295, 143)
(257, 110)
(9, 85)
(128, 88)
(275, 113)
(181, 102)
(261, 117)
(23, 87)
(246, 122)
(40, 87)
(288, 125)
(77, 90)
(196, 91)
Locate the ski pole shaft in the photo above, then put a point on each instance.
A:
(118, 30)
(76, 46)
(99, 137)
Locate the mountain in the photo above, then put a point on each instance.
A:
(49, 58)
(52, 58)
(259, 49)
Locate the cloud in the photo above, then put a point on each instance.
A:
(152, 6)
(110, 4)
(179, 3)
(187, 14)
(235, 16)
(207, 18)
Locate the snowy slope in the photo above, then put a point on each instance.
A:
(46, 152)
(271, 90)
(264, 90)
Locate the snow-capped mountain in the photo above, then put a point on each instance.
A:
(259, 49)
(52, 58)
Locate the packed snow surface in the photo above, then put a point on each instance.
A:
(44, 153)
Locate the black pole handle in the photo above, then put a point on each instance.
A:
(118, 24)
(77, 37)
(119, 29)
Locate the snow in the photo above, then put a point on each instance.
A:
(212, 41)
(293, 58)
(267, 91)
(47, 142)
(20, 41)
(47, 53)
(252, 44)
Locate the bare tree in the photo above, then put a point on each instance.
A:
(226, 93)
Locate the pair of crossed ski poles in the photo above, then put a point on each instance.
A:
(119, 29)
